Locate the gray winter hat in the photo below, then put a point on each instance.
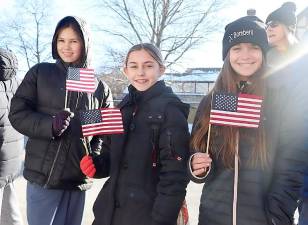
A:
(8, 64)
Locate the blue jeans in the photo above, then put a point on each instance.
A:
(10, 211)
(54, 206)
(303, 216)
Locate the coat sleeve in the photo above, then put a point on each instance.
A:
(290, 160)
(173, 179)
(23, 115)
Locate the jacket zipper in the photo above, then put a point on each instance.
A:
(53, 164)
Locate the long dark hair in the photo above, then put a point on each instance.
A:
(225, 148)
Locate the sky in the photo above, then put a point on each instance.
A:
(206, 55)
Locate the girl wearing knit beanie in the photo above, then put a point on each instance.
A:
(234, 163)
(246, 165)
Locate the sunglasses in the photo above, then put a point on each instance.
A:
(272, 24)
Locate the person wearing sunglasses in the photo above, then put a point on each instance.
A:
(281, 26)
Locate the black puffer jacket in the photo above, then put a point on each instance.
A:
(137, 193)
(53, 162)
(11, 142)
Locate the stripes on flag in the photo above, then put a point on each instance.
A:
(243, 110)
(101, 121)
(80, 79)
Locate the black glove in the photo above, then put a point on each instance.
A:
(61, 121)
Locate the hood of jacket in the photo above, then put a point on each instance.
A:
(85, 34)
(8, 64)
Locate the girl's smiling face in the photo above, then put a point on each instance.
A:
(246, 59)
(69, 45)
(142, 70)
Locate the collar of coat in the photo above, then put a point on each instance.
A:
(135, 96)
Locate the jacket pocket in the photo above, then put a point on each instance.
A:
(36, 153)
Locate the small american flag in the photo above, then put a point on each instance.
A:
(231, 110)
(80, 79)
(101, 121)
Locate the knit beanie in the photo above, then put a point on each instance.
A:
(248, 29)
(8, 64)
(285, 14)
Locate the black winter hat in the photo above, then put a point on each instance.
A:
(285, 14)
(248, 29)
(8, 64)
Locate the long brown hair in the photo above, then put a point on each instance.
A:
(225, 148)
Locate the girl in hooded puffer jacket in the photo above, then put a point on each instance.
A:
(229, 154)
(56, 186)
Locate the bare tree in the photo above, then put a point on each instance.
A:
(26, 33)
(113, 62)
(174, 26)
